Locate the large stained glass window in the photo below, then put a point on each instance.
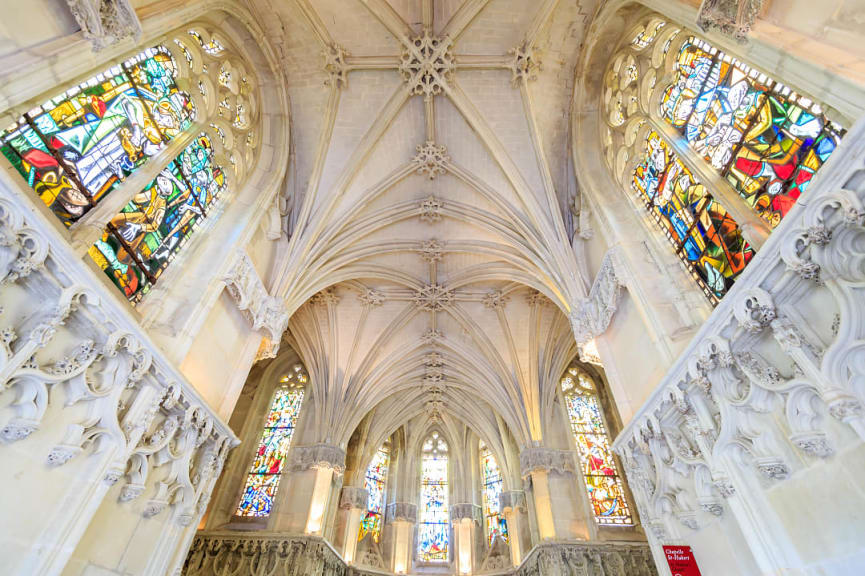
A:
(263, 478)
(433, 530)
(765, 139)
(146, 235)
(603, 484)
(374, 483)
(77, 146)
(491, 479)
(704, 236)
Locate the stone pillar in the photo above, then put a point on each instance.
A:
(466, 520)
(301, 506)
(352, 505)
(553, 490)
(512, 506)
(402, 516)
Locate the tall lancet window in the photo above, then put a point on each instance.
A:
(263, 478)
(603, 483)
(375, 482)
(433, 533)
(491, 478)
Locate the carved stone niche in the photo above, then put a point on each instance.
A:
(105, 22)
(402, 511)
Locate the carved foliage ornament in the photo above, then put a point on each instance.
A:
(731, 17)
(592, 316)
(426, 64)
(105, 22)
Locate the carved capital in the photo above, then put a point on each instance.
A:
(468, 510)
(512, 500)
(402, 511)
(317, 456)
(537, 458)
(354, 497)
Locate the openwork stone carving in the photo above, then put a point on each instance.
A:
(433, 297)
(430, 159)
(495, 299)
(335, 66)
(22, 249)
(371, 298)
(247, 553)
(427, 64)
(430, 210)
(524, 65)
(731, 17)
(105, 22)
(560, 559)
(262, 310)
(318, 456)
(431, 250)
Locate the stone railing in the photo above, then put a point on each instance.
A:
(101, 434)
(771, 386)
(590, 559)
(246, 554)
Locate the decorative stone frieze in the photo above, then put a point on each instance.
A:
(512, 500)
(592, 316)
(262, 310)
(466, 510)
(105, 22)
(561, 559)
(402, 511)
(317, 456)
(353, 497)
(538, 458)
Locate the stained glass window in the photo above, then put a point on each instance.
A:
(146, 235)
(762, 137)
(647, 35)
(491, 479)
(704, 236)
(263, 478)
(433, 530)
(77, 146)
(374, 483)
(603, 484)
(214, 47)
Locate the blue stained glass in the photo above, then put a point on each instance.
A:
(433, 529)
(374, 483)
(491, 478)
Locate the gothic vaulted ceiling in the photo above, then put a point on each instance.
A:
(429, 268)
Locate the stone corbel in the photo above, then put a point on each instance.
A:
(353, 497)
(263, 311)
(318, 456)
(105, 22)
(731, 17)
(402, 511)
(592, 316)
(537, 458)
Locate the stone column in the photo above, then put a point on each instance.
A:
(402, 516)
(466, 520)
(303, 502)
(553, 484)
(352, 505)
(512, 506)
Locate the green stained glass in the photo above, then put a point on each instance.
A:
(374, 483)
(491, 480)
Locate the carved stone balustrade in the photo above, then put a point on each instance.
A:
(592, 559)
(770, 388)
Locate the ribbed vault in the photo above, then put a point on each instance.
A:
(429, 269)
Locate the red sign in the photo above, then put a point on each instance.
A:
(681, 561)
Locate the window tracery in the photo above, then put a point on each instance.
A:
(491, 487)
(762, 138)
(78, 147)
(262, 481)
(601, 477)
(375, 482)
(433, 529)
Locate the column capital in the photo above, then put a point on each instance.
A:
(540, 459)
(466, 510)
(317, 456)
(354, 497)
(512, 500)
(404, 511)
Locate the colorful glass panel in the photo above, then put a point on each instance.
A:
(433, 529)
(374, 483)
(77, 146)
(705, 237)
(647, 35)
(491, 478)
(146, 235)
(765, 139)
(603, 484)
(263, 478)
